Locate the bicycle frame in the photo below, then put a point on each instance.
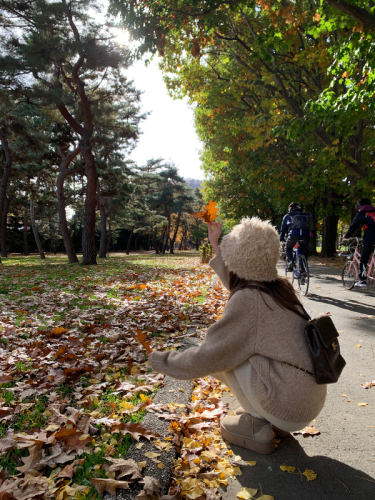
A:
(356, 261)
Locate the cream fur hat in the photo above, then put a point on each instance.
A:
(252, 249)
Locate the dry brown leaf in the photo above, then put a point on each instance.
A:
(141, 337)
(136, 430)
(124, 467)
(368, 385)
(151, 485)
(109, 485)
(308, 431)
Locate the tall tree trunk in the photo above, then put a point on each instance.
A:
(66, 159)
(4, 227)
(25, 225)
(129, 242)
(6, 173)
(35, 231)
(329, 235)
(109, 235)
(166, 236)
(173, 239)
(88, 235)
(148, 242)
(312, 244)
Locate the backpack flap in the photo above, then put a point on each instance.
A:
(325, 329)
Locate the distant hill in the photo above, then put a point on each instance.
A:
(194, 183)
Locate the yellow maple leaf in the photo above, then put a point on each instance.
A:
(246, 493)
(287, 468)
(310, 474)
(208, 215)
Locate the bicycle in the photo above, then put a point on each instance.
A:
(300, 269)
(350, 273)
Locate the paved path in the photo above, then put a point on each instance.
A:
(343, 455)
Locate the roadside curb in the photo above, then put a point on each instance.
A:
(178, 391)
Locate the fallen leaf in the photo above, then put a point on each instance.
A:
(246, 493)
(368, 385)
(310, 474)
(362, 404)
(308, 431)
(109, 485)
(124, 467)
(287, 468)
(141, 337)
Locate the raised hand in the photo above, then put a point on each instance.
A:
(214, 232)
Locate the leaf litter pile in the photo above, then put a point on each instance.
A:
(75, 381)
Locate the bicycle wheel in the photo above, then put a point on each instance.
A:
(348, 275)
(303, 275)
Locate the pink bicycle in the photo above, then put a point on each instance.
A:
(350, 273)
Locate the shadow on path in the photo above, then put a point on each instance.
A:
(335, 480)
(349, 304)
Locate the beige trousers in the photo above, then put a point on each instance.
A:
(239, 382)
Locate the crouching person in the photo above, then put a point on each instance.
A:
(257, 348)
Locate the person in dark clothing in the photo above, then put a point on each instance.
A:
(365, 218)
(295, 225)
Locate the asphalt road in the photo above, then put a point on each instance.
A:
(343, 455)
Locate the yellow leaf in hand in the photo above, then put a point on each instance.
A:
(310, 474)
(246, 493)
(287, 468)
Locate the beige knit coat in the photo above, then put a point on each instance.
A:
(267, 337)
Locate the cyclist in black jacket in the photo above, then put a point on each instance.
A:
(366, 218)
(294, 234)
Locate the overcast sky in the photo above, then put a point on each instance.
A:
(169, 130)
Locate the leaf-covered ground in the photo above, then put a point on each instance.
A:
(75, 382)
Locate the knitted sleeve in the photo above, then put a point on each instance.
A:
(218, 265)
(228, 343)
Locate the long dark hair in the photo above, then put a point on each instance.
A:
(280, 290)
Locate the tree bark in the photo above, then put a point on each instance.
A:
(35, 231)
(88, 235)
(168, 229)
(25, 242)
(129, 242)
(357, 13)
(66, 159)
(6, 173)
(4, 227)
(329, 235)
(173, 239)
(109, 236)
